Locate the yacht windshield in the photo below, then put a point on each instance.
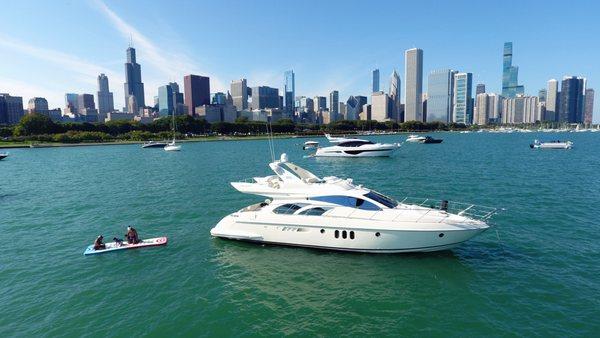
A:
(347, 201)
(379, 198)
(354, 143)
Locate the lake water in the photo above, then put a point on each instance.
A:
(536, 273)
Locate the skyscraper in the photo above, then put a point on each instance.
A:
(38, 105)
(334, 102)
(264, 97)
(165, 100)
(11, 109)
(589, 106)
(481, 113)
(375, 80)
(440, 91)
(395, 96)
(196, 92)
(380, 106)
(552, 98)
(542, 94)
(510, 74)
(133, 79)
(480, 89)
(413, 77)
(320, 103)
(354, 107)
(105, 97)
(239, 93)
(462, 110)
(571, 99)
(71, 100)
(289, 84)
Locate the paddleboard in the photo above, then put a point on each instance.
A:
(113, 246)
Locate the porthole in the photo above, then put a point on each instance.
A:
(441, 235)
(351, 234)
(344, 234)
(337, 234)
(322, 231)
(377, 234)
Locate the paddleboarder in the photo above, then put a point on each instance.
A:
(98, 245)
(132, 235)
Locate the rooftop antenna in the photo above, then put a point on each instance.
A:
(130, 40)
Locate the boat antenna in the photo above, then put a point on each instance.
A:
(270, 138)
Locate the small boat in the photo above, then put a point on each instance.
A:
(415, 139)
(154, 144)
(310, 145)
(551, 145)
(3, 155)
(114, 246)
(358, 148)
(172, 146)
(429, 139)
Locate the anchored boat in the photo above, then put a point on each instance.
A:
(305, 210)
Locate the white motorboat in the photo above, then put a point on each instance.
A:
(335, 214)
(415, 139)
(551, 145)
(310, 145)
(3, 156)
(357, 148)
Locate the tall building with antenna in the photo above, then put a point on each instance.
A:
(133, 80)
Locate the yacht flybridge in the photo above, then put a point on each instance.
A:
(305, 210)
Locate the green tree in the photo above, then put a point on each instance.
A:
(35, 124)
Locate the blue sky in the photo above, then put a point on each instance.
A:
(49, 48)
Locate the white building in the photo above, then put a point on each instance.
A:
(380, 104)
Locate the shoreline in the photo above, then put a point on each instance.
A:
(199, 139)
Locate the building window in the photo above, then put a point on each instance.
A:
(351, 234)
(337, 234)
(344, 234)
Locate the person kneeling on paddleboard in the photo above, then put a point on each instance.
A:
(98, 245)
(132, 236)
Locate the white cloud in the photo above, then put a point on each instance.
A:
(28, 90)
(68, 62)
(169, 63)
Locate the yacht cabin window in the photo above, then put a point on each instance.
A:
(347, 201)
(354, 143)
(287, 209)
(318, 211)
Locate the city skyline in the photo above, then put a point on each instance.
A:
(33, 56)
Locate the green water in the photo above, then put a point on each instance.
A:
(536, 274)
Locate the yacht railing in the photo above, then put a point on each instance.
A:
(474, 211)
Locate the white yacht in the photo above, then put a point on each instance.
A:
(415, 139)
(172, 146)
(3, 155)
(333, 213)
(551, 145)
(357, 148)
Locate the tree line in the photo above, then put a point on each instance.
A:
(37, 127)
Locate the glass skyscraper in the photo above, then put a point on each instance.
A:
(105, 97)
(375, 81)
(462, 110)
(289, 83)
(510, 74)
(440, 90)
(572, 102)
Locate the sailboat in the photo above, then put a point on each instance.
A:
(172, 146)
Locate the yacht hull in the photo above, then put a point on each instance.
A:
(361, 240)
(336, 151)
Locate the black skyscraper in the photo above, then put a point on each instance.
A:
(133, 79)
(571, 99)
